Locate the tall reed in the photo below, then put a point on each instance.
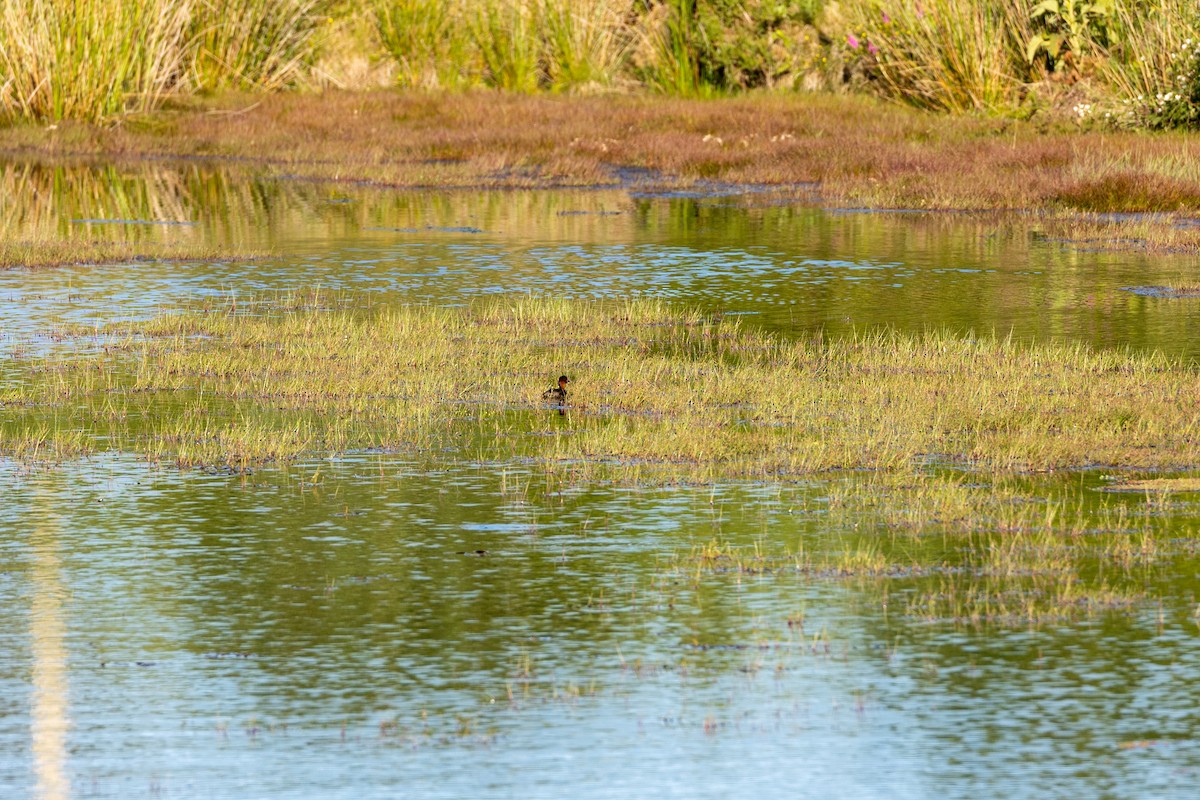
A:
(430, 43)
(945, 55)
(1149, 59)
(506, 34)
(587, 42)
(251, 44)
(89, 59)
(668, 59)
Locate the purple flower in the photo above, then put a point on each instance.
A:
(852, 40)
(871, 48)
(886, 18)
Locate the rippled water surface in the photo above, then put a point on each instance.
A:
(379, 626)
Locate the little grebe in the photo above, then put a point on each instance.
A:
(558, 393)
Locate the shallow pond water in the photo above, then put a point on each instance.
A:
(379, 625)
(792, 269)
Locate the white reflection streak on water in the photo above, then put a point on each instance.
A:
(47, 630)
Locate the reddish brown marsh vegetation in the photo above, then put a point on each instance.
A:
(845, 150)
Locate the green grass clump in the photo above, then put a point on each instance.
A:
(959, 548)
(92, 59)
(38, 254)
(654, 389)
(946, 55)
(88, 59)
(431, 45)
(509, 43)
(922, 446)
(514, 45)
(251, 44)
(587, 44)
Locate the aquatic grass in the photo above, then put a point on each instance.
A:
(47, 253)
(1029, 601)
(653, 389)
(1014, 553)
(1157, 485)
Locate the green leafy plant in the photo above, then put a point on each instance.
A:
(1068, 26)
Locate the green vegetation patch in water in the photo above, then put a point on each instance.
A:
(652, 388)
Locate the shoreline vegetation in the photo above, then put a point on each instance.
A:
(1112, 189)
(1131, 64)
(1075, 114)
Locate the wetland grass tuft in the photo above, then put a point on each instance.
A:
(1007, 554)
(655, 389)
(38, 253)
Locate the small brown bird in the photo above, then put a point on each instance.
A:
(559, 393)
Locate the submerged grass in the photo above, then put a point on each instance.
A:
(960, 548)
(654, 389)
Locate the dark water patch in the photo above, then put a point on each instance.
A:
(1177, 292)
(132, 222)
(431, 229)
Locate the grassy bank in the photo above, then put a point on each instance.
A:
(653, 389)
